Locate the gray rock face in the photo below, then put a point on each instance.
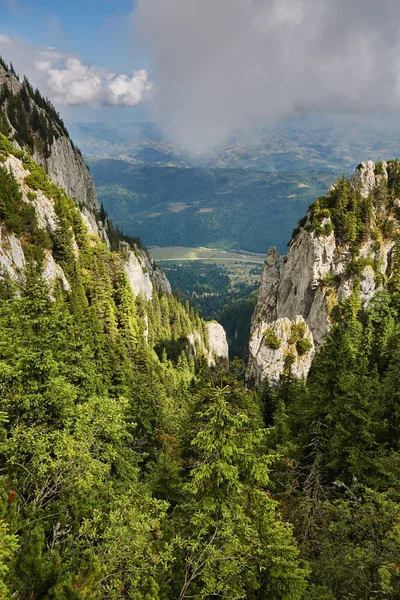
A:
(12, 258)
(68, 170)
(143, 274)
(314, 277)
(218, 342)
(11, 81)
(366, 177)
(266, 306)
(218, 350)
(157, 275)
(94, 225)
(65, 166)
(269, 362)
(52, 272)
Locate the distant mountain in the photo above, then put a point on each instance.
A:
(305, 143)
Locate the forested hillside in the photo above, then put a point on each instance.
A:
(128, 468)
(216, 208)
(134, 466)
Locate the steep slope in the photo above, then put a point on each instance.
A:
(51, 228)
(341, 254)
(108, 416)
(33, 126)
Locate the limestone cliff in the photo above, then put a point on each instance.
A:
(46, 138)
(343, 248)
(142, 273)
(58, 156)
(34, 134)
(216, 351)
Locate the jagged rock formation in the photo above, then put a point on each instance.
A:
(62, 161)
(12, 258)
(217, 351)
(67, 169)
(143, 276)
(273, 349)
(142, 273)
(343, 247)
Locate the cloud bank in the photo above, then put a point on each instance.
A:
(218, 65)
(67, 81)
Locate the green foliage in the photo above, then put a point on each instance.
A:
(18, 216)
(36, 123)
(208, 286)
(289, 361)
(303, 346)
(357, 265)
(297, 332)
(216, 208)
(8, 545)
(271, 339)
(129, 470)
(235, 544)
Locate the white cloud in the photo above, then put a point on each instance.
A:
(67, 81)
(219, 64)
(5, 40)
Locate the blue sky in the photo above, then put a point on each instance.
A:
(99, 32)
(205, 69)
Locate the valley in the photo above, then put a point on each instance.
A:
(221, 289)
(214, 208)
(182, 253)
(141, 458)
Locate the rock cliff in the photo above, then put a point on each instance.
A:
(60, 159)
(51, 147)
(142, 273)
(343, 248)
(34, 130)
(217, 351)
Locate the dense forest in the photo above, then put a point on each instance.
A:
(130, 469)
(209, 287)
(216, 208)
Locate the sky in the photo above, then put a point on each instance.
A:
(205, 69)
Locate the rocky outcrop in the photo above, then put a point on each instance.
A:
(12, 258)
(62, 162)
(52, 272)
(275, 347)
(143, 274)
(218, 343)
(9, 79)
(367, 178)
(319, 273)
(217, 351)
(67, 169)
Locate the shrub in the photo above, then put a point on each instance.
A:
(297, 332)
(295, 232)
(303, 346)
(357, 266)
(330, 280)
(389, 229)
(290, 359)
(271, 339)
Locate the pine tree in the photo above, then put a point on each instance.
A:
(236, 545)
